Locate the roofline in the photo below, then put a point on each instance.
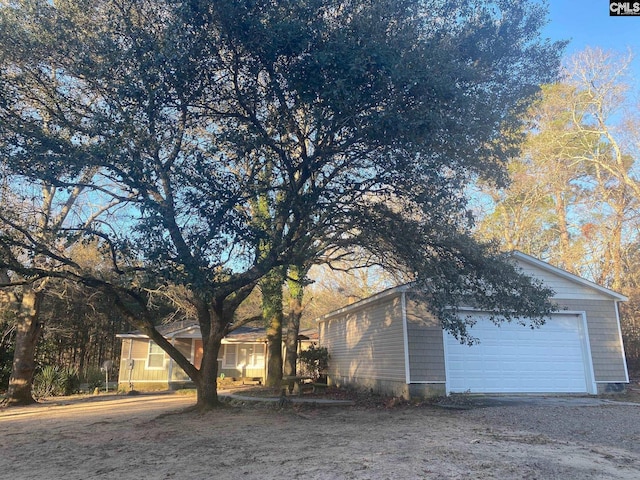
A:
(131, 335)
(194, 326)
(515, 254)
(389, 292)
(567, 275)
(168, 335)
(181, 330)
(224, 340)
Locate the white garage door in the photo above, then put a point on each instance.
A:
(511, 358)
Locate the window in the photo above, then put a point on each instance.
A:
(258, 355)
(229, 356)
(155, 358)
(243, 355)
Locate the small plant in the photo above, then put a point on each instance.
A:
(44, 382)
(6, 360)
(94, 378)
(315, 361)
(70, 378)
(53, 380)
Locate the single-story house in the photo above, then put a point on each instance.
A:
(391, 343)
(145, 366)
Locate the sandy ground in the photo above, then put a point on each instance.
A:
(150, 437)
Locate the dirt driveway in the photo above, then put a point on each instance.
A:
(135, 438)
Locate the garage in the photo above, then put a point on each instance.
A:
(394, 344)
(511, 358)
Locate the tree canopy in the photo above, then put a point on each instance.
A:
(573, 198)
(352, 124)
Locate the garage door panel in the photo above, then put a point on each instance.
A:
(512, 358)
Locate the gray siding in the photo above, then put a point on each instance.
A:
(563, 287)
(604, 338)
(184, 347)
(366, 343)
(140, 372)
(426, 350)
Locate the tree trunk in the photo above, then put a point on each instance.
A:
(566, 258)
(207, 380)
(272, 315)
(295, 283)
(28, 333)
(291, 344)
(616, 252)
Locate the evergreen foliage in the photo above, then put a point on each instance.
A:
(352, 125)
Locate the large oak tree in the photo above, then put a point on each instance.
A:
(354, 123)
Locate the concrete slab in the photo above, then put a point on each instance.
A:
(479, 401)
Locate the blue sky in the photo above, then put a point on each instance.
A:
(587, 23)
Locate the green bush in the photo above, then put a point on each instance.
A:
(71, 380)
(94, 378)
(53, 380)
(315, 361)
(5, 373)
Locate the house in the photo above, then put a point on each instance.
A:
(392, 344)
(145, 366)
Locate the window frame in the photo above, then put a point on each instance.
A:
(254, 355)
(154, 354)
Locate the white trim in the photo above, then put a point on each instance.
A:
(131, 335)
(224, 356)
(237, 346)
(624, 355)
(591, 376)
(405, 337)
(164, 355)
(264, 354)
(447, 387)
(194, 333)
(428, 382)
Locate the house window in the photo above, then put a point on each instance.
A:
(243, 355)
(229, 359)
(258, 355)
(155, 358)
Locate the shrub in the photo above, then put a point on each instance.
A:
(94, 378)
(315, 360)
(5, 373)
(53, 380)
(70, 379)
